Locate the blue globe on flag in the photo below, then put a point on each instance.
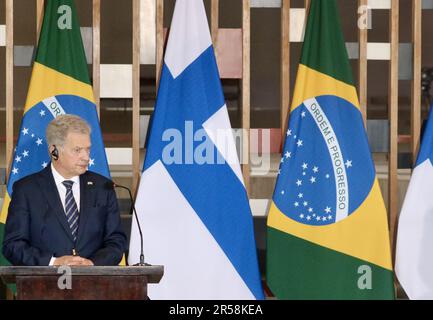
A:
(325, 189)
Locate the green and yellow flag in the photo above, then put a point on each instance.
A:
(59, 84)
(327, 226)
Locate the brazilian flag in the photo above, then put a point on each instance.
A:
(327, 226)
(59, 84)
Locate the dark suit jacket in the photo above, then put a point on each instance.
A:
(37, 228)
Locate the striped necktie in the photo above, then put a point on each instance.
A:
(71, 208)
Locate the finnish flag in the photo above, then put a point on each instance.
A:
(414, 257)
(192, 203)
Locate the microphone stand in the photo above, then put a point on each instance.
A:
(132, 210)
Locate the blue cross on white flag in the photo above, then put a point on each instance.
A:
(192, 202)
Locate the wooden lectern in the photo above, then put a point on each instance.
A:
(86, 283)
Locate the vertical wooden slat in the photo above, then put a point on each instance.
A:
(9, 84)
(136, 44)
(39, 17)
(246, 21)
(214, 22)
(96, 63)
(307, 13)
(285, 65)
(159, 39)
(416, 82)
(393, 118)
(362, 67)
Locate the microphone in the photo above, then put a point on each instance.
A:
(111, 186)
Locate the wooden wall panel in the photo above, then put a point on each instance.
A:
(246, 85)
(214, 23)
(393, 119)
(285, 65)
(362, 67)
(9, 84)
(39, 17)
(159, 39)
(416, 82)
(96, 66)
(136, 45)
(416, 15)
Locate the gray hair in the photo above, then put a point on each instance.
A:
(58, 129)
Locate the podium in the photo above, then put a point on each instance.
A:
(82, 283)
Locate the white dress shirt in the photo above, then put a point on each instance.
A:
(58, 179)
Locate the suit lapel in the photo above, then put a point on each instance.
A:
(49, 188)
(87, 194)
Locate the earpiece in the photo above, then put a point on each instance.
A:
(55, 153)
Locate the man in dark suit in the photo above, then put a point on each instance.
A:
(64, 214)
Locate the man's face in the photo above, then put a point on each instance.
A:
(74, 155)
